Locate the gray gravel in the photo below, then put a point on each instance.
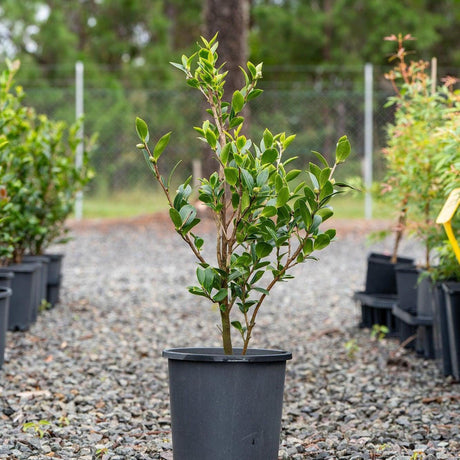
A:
(91, 368)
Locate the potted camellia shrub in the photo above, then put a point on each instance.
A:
(226, 402)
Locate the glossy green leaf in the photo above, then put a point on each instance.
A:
(221, 295)
(342, 150)
(161, 145)
(263, 249)
(236, 121)
(283, 197)
(175, 217)
(231, 175)
(269, 211)
(268, 138)
(262, 177)
(247, 179)
(291, 175)
(269, 156)
(325, 213)
(211, 138)
(321, 158)
(321, 241)
(142, 130)
(237, 101)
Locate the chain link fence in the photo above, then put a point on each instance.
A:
(317, 105)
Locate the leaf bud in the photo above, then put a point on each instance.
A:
(140, 146)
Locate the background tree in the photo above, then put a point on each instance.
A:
(231, 20)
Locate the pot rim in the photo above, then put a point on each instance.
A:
(216, 354)
(5, 292)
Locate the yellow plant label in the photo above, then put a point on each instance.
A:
(449, 208)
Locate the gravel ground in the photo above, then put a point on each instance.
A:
(88, 381)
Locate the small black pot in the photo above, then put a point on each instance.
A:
(452, 291)
(381, 276)
(54, 278)
(226, 407)
(42, 279)
(441, 331)
(5, 294)
(406, 282)
(5, 279)
(24, 285)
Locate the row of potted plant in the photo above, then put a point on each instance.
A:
(411, 297)
(38, 182)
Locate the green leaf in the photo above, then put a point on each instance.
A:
(237, 101)
(225, 153)
(268, 138)
(175, 217)
(236, 121)
(308, 246)
(283, 197)
(305, 213)
(161, 145)
(263, 249)
(288, 141)
(325, 213)
(221, 295)
(247, 179)
(142, 130)
(342, 150)
(326, 190)
(324, 176)
(262, 177)
(231, 175)
(268, 211)
(254, 93)
(291, 175)
(195, 290)
(211, 138)
(252, 69)
(237, 325)
(198, 242)
(321, 241)
(331, 233)
(269, 156)
(321, 158)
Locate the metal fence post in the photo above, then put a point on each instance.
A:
(78, 114)
(368, 138)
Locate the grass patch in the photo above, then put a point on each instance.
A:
(123, 204)
(136, 203)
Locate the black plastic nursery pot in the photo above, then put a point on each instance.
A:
(381, 275)
(54, 277)
(5, 279)
(377, 309)
(5, 294)
(24, 285)
(441, 331)
(414, 310)
(42, 279)
(406, 283)
(452, 291)
(226, 407)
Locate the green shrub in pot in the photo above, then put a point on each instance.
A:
(268, 220)
(39, 174)
(420, 153)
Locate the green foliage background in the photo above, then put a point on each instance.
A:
(313, 54)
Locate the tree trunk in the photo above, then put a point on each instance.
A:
(230, 18)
